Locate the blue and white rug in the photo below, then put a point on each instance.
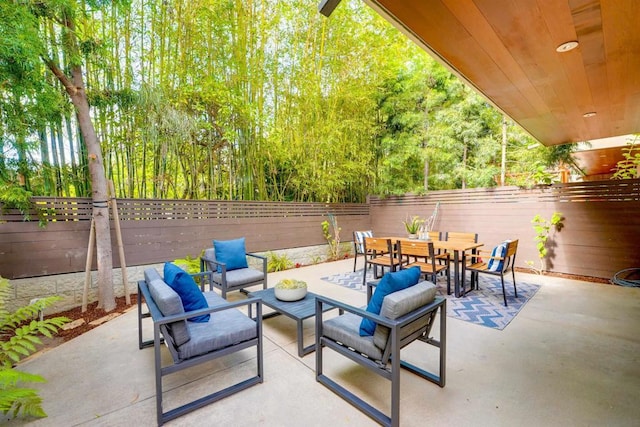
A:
(482, 307)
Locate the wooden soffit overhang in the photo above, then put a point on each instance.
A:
(506, 49)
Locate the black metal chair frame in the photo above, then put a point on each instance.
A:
(160, 323)
(356, 250)
(396, 341)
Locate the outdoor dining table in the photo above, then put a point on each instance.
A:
(459, 250)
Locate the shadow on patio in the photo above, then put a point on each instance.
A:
(570, 357)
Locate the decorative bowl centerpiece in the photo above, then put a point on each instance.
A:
(290, 290)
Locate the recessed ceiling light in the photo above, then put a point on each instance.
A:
(589, 114)
(567, 46)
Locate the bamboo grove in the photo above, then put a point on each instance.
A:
(245, 100)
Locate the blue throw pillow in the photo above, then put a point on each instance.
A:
(499, 251)
(390, 283)
(232, 253)
(190, 294)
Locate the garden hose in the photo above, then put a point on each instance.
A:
(627, 277)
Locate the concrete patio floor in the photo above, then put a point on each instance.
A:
(571, 357)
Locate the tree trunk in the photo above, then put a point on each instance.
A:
(76, 90)
(106, 297)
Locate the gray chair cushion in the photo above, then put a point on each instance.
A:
(346, 330)
(399, 303)
(239, 277)
(223, 329)
(151, 274)
(213, 299)
(169, 303)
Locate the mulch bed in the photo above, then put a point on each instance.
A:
(92, 314)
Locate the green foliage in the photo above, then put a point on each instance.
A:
(291, 284)
(542, 228)
(16, 197)
(629, 168)
(277, 262)
(331, 233)
(307, 108)
(413, 224)
(543, 176)
(189, 264)
(19, 335)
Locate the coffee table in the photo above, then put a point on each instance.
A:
(296, 310)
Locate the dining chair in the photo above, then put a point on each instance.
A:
(423, 250)
(379, 253)
(501, 260)
(358, 244)
(441, 256)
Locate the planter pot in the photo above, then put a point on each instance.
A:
(413, 236)
(295, 294)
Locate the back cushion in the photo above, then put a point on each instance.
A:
(391, 282)
(231, 252)
(190, 294)
(398, 304)
(360, 235)
(169, 303)
(499, 251)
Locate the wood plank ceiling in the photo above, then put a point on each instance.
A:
(506, 49)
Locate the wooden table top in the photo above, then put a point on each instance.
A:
(450, 245)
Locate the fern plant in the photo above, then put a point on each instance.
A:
(19, 335)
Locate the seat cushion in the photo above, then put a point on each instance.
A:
(190, 294)
(390, 282)
(403, 302)
(240, 277)
(225, 328)
(169, 304)
(231, 252)
(345, 329)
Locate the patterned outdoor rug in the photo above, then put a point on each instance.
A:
(483, 307)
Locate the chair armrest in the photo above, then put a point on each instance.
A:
(264, 258)
(488, 256)
(228, 306)
(222, 265)
(264, 261)
(351, 309)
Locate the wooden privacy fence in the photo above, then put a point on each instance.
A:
(600, 234)
(159, 230)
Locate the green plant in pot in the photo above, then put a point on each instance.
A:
(290, 289)
(412, 225)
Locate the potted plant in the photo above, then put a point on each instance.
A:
(290, 290)
(412, 225)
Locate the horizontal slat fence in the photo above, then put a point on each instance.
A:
(601, 221)
(159, 230)
(600, 235)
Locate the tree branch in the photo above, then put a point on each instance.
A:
(66, 81)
